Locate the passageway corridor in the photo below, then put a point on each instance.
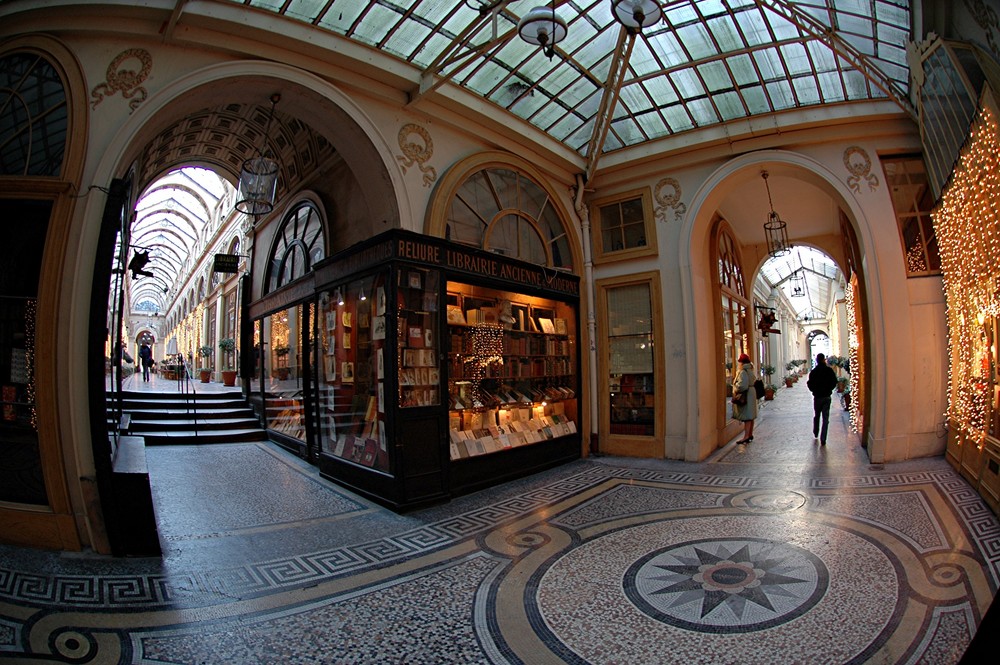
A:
(778, 552)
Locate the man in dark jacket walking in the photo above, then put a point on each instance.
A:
(821, 383)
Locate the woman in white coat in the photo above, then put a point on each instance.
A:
(743, 391)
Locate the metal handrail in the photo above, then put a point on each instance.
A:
(186, 388)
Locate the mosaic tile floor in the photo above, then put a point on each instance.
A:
(782, 551)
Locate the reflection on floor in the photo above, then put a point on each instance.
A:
(782, 551)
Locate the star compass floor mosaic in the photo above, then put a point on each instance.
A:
(605, 560)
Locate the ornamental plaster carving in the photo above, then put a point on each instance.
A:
(666, 200)
(416, 151)
(126, 81)
(986, 18)
(859, 164)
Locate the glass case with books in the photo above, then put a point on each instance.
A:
(511, 370)
(441, 368)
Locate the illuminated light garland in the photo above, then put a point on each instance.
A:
(853, 344)
(967, 226)
(485, 351)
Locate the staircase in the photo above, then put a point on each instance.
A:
(173, 418)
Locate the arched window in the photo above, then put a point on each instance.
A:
(297, 247)
(503, 210)
(733, 300)
(33, 116)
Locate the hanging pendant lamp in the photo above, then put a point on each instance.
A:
(258, 184)
(775, 230)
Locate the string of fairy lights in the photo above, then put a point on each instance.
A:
(967, 226)
(853, 347)
(485, 351)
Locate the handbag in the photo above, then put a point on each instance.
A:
(758, 387)
(740, 398)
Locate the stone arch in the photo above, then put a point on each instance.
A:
(695, 272)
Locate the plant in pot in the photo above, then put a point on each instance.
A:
(769, 390)
(841, 384)
(789, 380)
(767, 371)
(228, 345)
(205, 372)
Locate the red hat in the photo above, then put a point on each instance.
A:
(744, 358)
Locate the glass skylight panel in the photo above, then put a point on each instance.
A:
(715, 76)
(726, 34)
(753, 27)
(742, 69)
(669, 50)
(796, 60)
(858, 87)
(769, 64)
(697, 41)
(831, 87)
(677, 118)
(780, 93)
(661, 91)
(628, 131)
(405, 41)
(579, 139)
(652, 124)
(679, 14)
(688, 84)
(642, 61)
(756, 101)
(806, 90)
(730, 105)
(703, 112)
(634, 97)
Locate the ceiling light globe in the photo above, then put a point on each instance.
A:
(636, 14)
(542, 26)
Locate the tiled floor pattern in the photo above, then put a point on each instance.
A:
(782, 551)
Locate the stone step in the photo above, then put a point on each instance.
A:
(202, 437)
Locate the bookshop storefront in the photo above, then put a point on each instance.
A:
(412, 369)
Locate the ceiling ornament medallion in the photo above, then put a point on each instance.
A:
(664, 200)
(416, 152)
(986, 17)
(126, 81)
(859, 164)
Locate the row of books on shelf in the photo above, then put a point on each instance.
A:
(492, 316)
(471, 443)
(509, 396)
(516, 346)
(513, 368)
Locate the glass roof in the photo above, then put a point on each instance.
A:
(707, 62)
(170, 217)
(808, 279)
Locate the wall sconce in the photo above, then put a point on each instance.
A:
(636, 14)
(775, 230)
(542, 26)
(259, 176)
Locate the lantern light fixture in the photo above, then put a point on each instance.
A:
(543, 27)
(636, 14)
(775, 230)
(259, 176)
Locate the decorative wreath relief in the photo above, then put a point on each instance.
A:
(672, 200)
(417, 151)
(859, 164)
(125, 81)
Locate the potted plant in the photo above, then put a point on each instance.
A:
(789, 380)
(227, 345)
(769, 390)
(841, 384)
(205, 372)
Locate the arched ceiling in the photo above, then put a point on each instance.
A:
(170, 217)
(604, 88)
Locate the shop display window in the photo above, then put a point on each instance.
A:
(511, 370)
(351, 372)
(631, 361)
(417, 318)
(283, 368)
